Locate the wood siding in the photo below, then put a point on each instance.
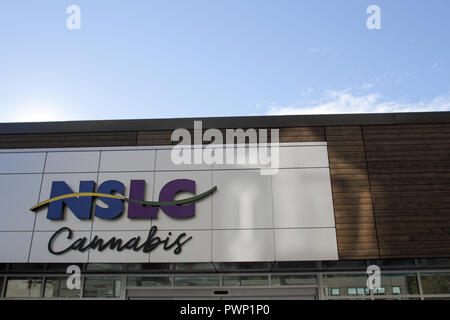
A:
(353, 210)
(67, 140)
(390, 183)
(409, 170)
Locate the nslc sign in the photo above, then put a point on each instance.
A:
(81, 204)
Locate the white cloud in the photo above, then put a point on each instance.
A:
(367, 85)
(324, 51)
(335, 102)
(316, 51)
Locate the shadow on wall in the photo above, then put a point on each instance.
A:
(354, 216)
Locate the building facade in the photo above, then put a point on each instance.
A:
(348, 192)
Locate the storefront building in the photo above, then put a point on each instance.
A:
(348, 192)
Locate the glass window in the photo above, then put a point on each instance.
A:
(293, 280)
(393, 263)
(294, 265)
(27, 267)
(229, 281)
(3, 266)
(351, 291)
(341, 265)
(338, 284)
(23, 288)
(397, 298)
(149, 267)
(57, 288)
(102, 287)
(398, 284)
(200, 281)
(61, 267)
(148, 281)
(363, 291)
(434, 263)
(396, 290)
(335, 291)
(106, 267)
(243, 266)
(435, 283)
(379, 291)
(1, 287)
(193, 267)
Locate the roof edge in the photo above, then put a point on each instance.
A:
(276, 121)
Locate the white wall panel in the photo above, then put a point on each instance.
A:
(243, 200)
(20, 192)
(126, 255)
(128, 160)
(14, 246)
(242, 158)
(197, 249)
(22, 162)
(305, 244)
(303, 156)
(243, 245)
(86, 161)
(40, 253)
(302, 198)
(164, 162)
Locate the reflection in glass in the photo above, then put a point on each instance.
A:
(57, 288)
(148, 281)
(396, 290)
(378, 291)
(17, 267)
(434, 263)
(243, 266)
(61, 267)
(23, 288)
(344, 265)
(393, 284)
(294, 265)
(149, 267)
(293, 280)
(362, 291)
(106, 267)
(335, 291)
(386, 263)
(339, 284)
(230, 281)
(435, 283)
(199, 281)
(102, 287)
(193, 267)
(351, 291)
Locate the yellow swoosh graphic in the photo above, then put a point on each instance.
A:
(148, 203)
(79, 194)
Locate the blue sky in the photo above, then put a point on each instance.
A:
(173, 58)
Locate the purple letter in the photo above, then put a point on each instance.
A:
(167, 194)
(136, 210)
